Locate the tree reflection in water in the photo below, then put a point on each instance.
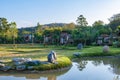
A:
(116, 78)
(81, 65)
(113, 62)
(53, 77)
(36, 76)
(96, 63)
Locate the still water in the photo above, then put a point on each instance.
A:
(82, 69)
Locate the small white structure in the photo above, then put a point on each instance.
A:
(106, 49)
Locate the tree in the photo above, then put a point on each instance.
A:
(4, 28)
(8, 31)
(118, 30)
(39, 27)
(69, 26)
(39, 33)
(13, 31)
(98, 23)
(81, 21)
(114, 21)
(39, 30)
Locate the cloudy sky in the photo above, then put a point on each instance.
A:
(28, 12)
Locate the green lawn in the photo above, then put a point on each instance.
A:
(37, 51)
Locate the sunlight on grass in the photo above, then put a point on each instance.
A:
(39, 52)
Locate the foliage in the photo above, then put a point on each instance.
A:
(114, 22)
(8, 31)
(70, 26)
(78, 33)
(116, 43)
(98, 24)
(81, 21)
(62, 62)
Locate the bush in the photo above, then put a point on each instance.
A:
(62, 62)
(116, 44)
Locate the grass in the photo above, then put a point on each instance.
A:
(62, 62)
(39, 52)
(33, 51)
(97, 51)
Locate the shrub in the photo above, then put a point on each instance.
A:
(62, 62)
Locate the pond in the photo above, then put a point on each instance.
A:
(82, 69)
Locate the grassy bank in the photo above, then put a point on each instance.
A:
(62, 62)
(93, 51)
(40, 52)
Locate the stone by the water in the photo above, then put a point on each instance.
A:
(21, 67)
(52, 57)
(45, 62)
(6, 68)
(106, 49)
(30, 67)
(1, 61)
(77, 54)
(18, 63)
(33, 63)
(2, 65)
(21, 59)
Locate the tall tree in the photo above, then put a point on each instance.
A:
(4, 28)
(38, 29)
(13, 31)
(98, 23)
(114, 21)
(81, 21)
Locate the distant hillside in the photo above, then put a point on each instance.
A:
(29, 29)
(32, 29)
(55, 24)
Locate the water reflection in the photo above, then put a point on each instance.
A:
(82, 64)
(116, 78)
(113, 62)
(82, 69)
(30, 76)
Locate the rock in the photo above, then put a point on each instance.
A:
(21, 59)
(1, 61)
(52, 57)
(30, 67)
(77, 54)
(2, 65)
(6, 68)
(106, 49)
(18, 63)
(28, 59)
(17, 59)
(45, 62)
(20, 67)
(33, 63)
(79, 46)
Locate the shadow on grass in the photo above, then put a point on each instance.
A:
(25, 52)
(40, 56)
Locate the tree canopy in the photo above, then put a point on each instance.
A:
(81, 21)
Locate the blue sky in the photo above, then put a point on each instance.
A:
(29, 12)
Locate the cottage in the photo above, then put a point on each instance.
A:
(104, 39)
